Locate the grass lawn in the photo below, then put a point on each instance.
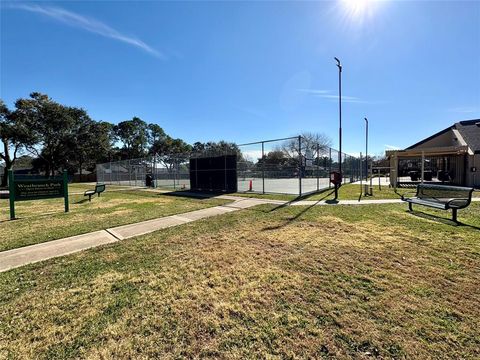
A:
(44, 220)
(352, 192)
(267, 282)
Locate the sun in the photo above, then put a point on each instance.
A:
(358, 10)
(357, 7)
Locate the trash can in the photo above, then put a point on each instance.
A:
(149, 181)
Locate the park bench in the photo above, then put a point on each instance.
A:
(442, 197)
(99, 188)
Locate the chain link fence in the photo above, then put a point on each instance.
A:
(294, 165)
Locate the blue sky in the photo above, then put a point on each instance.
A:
(245, 71)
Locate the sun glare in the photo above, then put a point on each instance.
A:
(356, 7)
(358, 10)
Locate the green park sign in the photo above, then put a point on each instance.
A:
(36, 189)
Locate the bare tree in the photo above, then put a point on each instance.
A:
(310, 142)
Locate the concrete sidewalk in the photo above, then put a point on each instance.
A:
(14, 258)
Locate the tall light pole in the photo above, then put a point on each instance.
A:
(366, 148)
(339, 65)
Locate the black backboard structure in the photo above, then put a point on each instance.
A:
(214, 174)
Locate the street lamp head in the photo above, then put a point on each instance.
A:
(339, 64)
(366, 120)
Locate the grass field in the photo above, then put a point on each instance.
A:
(352, 192)
(346, 192)
(44, 220)
(268, 282)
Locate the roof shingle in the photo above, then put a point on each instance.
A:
(470, 131)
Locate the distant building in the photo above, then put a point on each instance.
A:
(450, 156)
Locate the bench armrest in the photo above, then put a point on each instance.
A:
(464, 202)
(404, 196)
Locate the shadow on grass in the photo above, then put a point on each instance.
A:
(33, 216)
(439, 219)
(293, 218)
(193, 194)
(81, 201)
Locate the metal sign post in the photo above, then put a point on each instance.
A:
(11, 194)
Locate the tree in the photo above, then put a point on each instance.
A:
(274, 160)
(15, 134)
(93, 143)
(155, 135)
(104, 132)
(134, 136)
(50, 123)
(157, 138)
(64, 133)
(172, 152)
(63, 137)
(219, 148)
(310, 142)
(198, 147)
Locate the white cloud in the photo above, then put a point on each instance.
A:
(328, 94)
(464, 109)
(315, 91)
(391, 147)
(88, 24)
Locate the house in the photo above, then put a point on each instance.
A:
(451, 156)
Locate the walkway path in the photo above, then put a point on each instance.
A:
(34, 253)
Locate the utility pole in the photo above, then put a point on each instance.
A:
(339, 65)
(366, 148)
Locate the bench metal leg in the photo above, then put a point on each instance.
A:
(89, 198)
(410, 206)
(454, 215)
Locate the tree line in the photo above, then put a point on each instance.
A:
(50, 137)
(57, 137)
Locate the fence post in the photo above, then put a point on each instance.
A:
(423, 165)
(65, 189)
(318, 167)
(174, 176)
(329, 165)
(129, 167)
(361, 175)
(11, 193)
(263, 169)
(300, 165)
(371, 175)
